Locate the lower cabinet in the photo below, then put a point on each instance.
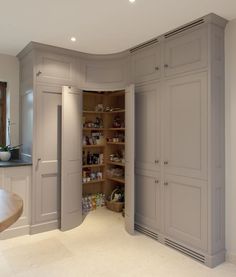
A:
(148, 200)
(18, 180)
(174, 208)
(185, 210)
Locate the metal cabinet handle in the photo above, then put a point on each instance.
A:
(156, 161)
(166, 65)
(156, 68)
(166, 162)
(38, 73)
(166, 183)
(156, 181)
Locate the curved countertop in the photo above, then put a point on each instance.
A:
(11, 208)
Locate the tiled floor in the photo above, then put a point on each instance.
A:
(100, 247)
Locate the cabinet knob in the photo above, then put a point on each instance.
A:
(165, 162)
(156, 161)
(156, 181)
(166, 65)
(156, 68)
(38, 73)
(166, 183)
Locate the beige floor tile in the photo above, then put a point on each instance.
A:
(99, 247)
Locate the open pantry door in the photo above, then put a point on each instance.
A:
(129, 159)
(71, 160)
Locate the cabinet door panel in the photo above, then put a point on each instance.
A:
(47, 187)
(185, 202)
(71, 173)
(186, 53)
(129, 158)
(56, 69)
(147, 129)
(185, 124)
(146, 64)
(18, 180)
(148, 200)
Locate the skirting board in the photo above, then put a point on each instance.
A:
(44, 227)
(231, 258)
(15, 232)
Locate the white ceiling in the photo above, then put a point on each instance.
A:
(100, 26)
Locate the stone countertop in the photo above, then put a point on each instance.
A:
(14, 163)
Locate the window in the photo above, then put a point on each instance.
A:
(3, 93)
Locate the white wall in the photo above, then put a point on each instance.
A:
(9, 72)
(230, 78)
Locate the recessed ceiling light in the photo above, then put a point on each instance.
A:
(73, 39)
(131, 1)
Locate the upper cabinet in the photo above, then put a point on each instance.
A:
(56, 68)
(146, 64)
(186, 52)
(104, 72)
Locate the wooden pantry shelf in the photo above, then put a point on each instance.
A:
(116, 129)
(94, 146)
(116, 111)
(119, 180)
(109, 112)
(94, 129)
(116, 163)
(116, 143)
(93, 112)
(94, 182)
(93, 165)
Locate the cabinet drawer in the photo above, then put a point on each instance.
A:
(146, 64)
(185, 53)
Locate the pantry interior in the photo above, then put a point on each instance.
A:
(103, 150)
(97, 143)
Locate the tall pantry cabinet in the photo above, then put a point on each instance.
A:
(180, 120)
(45, 70)
(179, 133)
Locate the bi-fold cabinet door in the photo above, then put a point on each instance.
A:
(71, 165)
(71, 158)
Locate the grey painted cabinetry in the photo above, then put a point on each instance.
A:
(179, 134)
(44, 70)
(146, 64)
(55, 68)
(186, 52)
(179, 126)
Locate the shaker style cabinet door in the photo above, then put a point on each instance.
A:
(147, 127)
(129, 158)
(185, 215)
(185, 53)
(56, 69)
(148, 200)
(47, 186)
(185, 126)
(146, 64)
(71, 158)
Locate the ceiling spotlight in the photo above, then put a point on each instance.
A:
(131, 1)
(73, 39)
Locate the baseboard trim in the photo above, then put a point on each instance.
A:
(44, 227)
(216, 259)
(15, 232)
(231, 258)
